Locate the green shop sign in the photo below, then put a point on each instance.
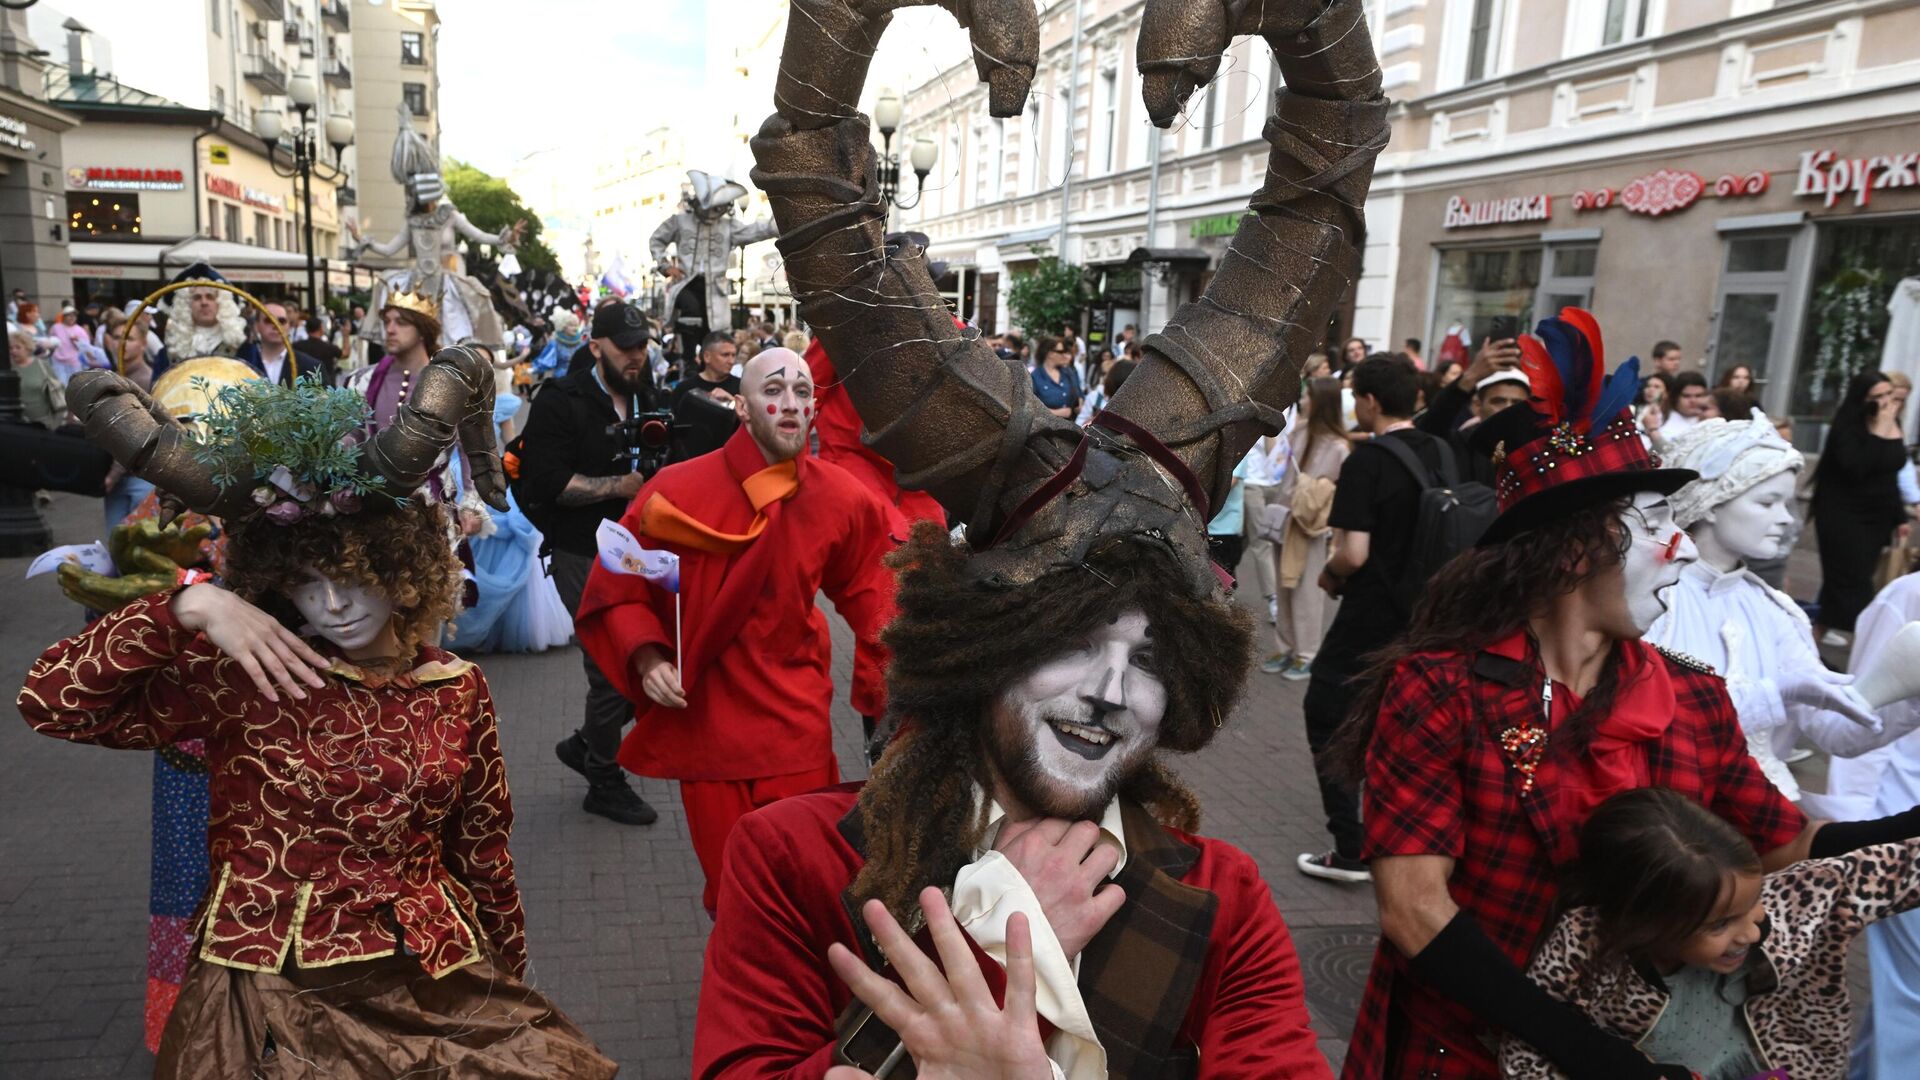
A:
(1217, 225)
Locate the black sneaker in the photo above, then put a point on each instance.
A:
(572, 752)
(1333, 866)
(615, 801)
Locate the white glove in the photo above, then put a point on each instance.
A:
(1828, 691)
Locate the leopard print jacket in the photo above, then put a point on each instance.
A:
(1798, 1011)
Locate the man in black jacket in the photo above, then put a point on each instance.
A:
(1493, 382)
(575, 473)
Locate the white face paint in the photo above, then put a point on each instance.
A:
(350, 616)
(1658, 551)
(1753, 524)
(1069, 732)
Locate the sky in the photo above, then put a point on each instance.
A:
(518, 77)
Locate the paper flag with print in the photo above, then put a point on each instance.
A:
(622, 554)
(92, 557)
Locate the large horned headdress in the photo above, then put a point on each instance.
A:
(1035, 492)
(452, 400)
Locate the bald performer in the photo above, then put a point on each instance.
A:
(760, 527)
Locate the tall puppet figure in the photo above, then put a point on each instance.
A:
(1044, 669)
(435, 269)
(760, 527)
(364, 920)
(1740, 510)
(703, 233)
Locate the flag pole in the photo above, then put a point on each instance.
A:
(678, 675)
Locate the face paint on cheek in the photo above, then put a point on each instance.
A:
(773, 410)
(807, 412)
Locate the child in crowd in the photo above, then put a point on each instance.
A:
(1687, 948)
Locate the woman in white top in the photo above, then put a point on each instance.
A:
(1318, 447)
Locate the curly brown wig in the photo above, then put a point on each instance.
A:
(405, 553)
(1483, 596)
(957, 646)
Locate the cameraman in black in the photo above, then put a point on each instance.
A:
(577, 469)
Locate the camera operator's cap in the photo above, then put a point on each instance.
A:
(621, 323)
(1510, 375)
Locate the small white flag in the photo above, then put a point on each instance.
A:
(622, 554)
(92, 557)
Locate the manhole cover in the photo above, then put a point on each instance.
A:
(1333, 962)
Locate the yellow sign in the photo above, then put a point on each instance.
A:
(219, 154)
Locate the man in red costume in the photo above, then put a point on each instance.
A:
(760, 528)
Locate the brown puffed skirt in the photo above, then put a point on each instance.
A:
(370, 1020)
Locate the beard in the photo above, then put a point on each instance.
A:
(1013, 749)
(619, 381)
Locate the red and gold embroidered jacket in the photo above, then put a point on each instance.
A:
(369, 819)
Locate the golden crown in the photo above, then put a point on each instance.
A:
(418, 303)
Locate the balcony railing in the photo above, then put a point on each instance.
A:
(266, 71)
(269, 9)
(336, 12)
(338, 72)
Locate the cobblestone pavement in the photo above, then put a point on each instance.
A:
(614, 922)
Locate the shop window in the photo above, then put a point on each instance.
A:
(103, 213)
(1569, 278)
(1475, 285)
(1856, 271)
(415, 95)
(413, 48)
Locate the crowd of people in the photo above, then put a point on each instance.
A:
(1553, 730)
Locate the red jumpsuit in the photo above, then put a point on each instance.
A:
(755, 649)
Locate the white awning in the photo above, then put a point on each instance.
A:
(160, 262)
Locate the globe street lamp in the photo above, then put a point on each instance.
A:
(304, 142)
(921, 156)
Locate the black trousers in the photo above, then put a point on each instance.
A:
(1329, 696)
(608, 713)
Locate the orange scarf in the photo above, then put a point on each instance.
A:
(661, 520)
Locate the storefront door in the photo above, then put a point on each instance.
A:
(1752, 310)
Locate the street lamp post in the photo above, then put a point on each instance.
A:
(922, 155)
(270, 124)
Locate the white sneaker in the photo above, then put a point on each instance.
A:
(1331, 866)
(1833, 639)
(1796, 755)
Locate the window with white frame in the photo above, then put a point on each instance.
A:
(1624, 20)
(1058, 164)
(1209, 114)
(1480, 39)
(1031, 147)
(1109, 105)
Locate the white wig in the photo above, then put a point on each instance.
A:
(1732, 457)
(180, 329)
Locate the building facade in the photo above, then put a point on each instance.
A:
(396, 45)
(33, 240)
(1734, 175)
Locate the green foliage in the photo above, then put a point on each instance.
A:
(305, 428)
(1049, 297)
(492, 205)
(1852, 309)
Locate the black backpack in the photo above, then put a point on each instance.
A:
(1449, 518)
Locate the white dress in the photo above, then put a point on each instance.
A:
(1885, 781)
(1752, 634)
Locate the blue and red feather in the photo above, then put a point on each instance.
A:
(1566, 364)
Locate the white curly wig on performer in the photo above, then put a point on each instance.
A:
(1731, 456)
(185, 341)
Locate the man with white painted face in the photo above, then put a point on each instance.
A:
(737, 709)
(1521, 697)
(1028, 783)
(1741, 509)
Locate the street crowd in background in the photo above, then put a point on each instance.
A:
(1389, 614)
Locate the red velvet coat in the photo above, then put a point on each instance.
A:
(768, 1000)
(755, 650)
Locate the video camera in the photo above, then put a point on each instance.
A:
(646, 440)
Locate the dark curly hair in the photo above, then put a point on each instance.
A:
(957, 645)
(406, 553)
(1482, 596)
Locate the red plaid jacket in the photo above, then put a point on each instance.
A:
(1439, 783)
